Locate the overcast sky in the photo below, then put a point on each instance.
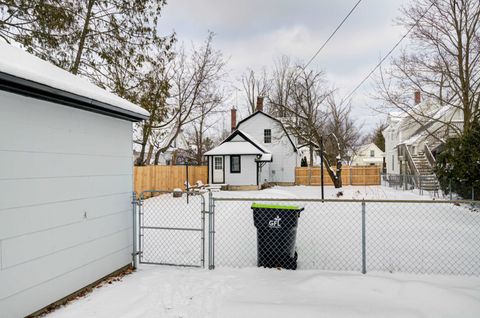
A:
(252, 33)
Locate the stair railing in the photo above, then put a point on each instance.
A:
(403, 149)
(429, 155)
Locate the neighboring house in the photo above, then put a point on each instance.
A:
(176, 153)
(368, 155)
(65, 181)
(304, 152)
(259, 150)
(412, 141)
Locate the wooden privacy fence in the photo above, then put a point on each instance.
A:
(356, 175)
(167, 177)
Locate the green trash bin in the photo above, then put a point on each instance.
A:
(276, 234)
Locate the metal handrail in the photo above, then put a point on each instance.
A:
(429, 155)
(411, 164)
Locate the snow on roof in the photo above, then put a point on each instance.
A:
(442, 111)
(413, 139)
(16, 62)
(373, 159)
(365, 147)
(235, 148)
(397, 115)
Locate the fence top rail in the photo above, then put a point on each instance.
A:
(190, 193)
(349, 200)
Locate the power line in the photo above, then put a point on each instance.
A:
(386, 56)
(333, 33)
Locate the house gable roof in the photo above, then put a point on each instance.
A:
(365, 147)
(248, 146)
(274, 119)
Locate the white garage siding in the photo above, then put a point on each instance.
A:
(65, 200)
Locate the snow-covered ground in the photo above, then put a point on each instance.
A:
(349, 192)
(156, 291)
(401, 237)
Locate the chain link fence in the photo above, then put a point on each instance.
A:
(428, 237)
(171, 229)
(424, 184)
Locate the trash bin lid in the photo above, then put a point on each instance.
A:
(275, 206)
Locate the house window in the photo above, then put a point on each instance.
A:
(267, 136)
(393, 162)
(218, 163)
(235, 164)
(372, 153)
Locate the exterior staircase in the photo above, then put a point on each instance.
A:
(427, 180)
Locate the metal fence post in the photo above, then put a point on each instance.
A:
(139, 204)
(211, 236)
(203, 231)
(364, 243)
(134, 229)
(450, 188)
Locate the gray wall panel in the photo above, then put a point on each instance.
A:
(65, 200)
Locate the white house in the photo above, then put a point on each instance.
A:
(177, 150)
(368, 155)
(259, 150)
(65, 182)
(304, 152)
(414, 137)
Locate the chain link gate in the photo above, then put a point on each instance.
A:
(171, 229)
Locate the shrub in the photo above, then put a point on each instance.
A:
(459, 164)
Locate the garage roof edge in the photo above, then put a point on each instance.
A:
(21, 86)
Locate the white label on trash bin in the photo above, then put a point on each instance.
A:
(275, 223)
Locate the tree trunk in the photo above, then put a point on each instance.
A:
(157, 157)
(311, 156)
(338, 183)
(83, 37)
(141, 156)
(336, 175)
(149, 155)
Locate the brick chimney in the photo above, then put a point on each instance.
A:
(260, 103)
(418, 97)
(233, 113)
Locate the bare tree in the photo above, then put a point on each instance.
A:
(254, 85)
(306, 110)
(442, 62)
(193, 92)
(199, 128)
(281, 87)
(344, 130)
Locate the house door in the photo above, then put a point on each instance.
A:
(218, 166)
